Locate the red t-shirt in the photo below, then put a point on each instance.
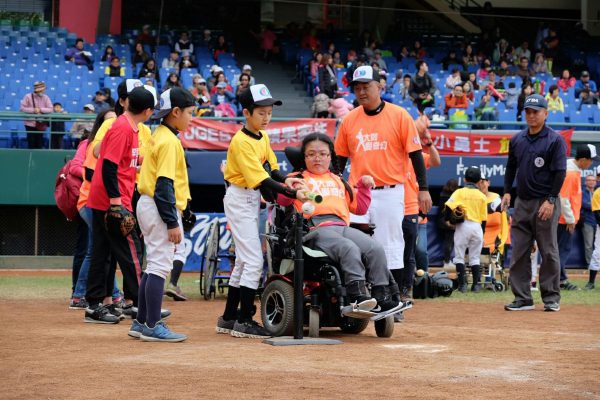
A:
(120, 145)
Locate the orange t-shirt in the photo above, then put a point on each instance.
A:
(84, 191)
(571, 189)
(378, 145)
(336, 200)
(411, 189)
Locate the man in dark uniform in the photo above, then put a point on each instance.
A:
(537, 157)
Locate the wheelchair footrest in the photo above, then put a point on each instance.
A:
(356, 313)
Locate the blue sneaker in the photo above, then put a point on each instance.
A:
(160, 333)
(136, 329)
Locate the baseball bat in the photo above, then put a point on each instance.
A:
(317, 198)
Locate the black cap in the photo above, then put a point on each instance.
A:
(258, 95)
(473, 174)
(171, 98)
(587, 151)
(142, 98)
(126, 86)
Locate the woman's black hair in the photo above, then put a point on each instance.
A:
(98, 123)
(334, 166)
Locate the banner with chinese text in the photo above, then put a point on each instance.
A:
(204, 134)
(449, 142)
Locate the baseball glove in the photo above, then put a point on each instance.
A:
(188, 218)
(119, 221)
(457, 215)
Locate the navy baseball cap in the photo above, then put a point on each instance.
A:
(536, 102)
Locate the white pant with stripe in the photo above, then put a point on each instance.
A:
(468, 235)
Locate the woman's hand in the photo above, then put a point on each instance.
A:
(368, 181)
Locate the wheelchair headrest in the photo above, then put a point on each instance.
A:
(294, 156)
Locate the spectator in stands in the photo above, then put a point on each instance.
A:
(212, 80)
(523, 51)
(207, 39)
(473, 81)
(468, 91)
(77, 55)
(327, 77)
(109, 54)
(484, 70)
(555, 103)
(339, 107)
(222, 95)
(172, 61)
(337, 60)
(587, 97)
(469, 57)
(310, 41)
(526, 90)
(456, 99)
(486, 111)
(502, 52)
(505, 69)
(539, 65)
(422, 86)
(585, 83)
(386, 92)
(36, 103)
(108, 97)
(566, 81)
(403, 54)
(149, 70)
(266, 39)
(139, 54)
(320, 106)
(114, 68)
(511, 96)
(404, 89)
(221, 47)
(220, 77)
(247, 69)
(184, 43)
(199, 88)
(524, 70)
(243, 84)
(99, 101)
(146, 37)
(57, 128)
(379, 60)
(418, 51)
(172, 81)
(450, 59)
(369, 50)
(80, 128)
(186, 61)
(453, 79)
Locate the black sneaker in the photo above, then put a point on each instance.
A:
(249, 329)
(78, 304)
(554, 306)
(116, 311)
(130, 311)
(463, 288)
(589, 286)
(476, 288)
(224, 326)
(566, 285)
(100, 315)
(520, 305)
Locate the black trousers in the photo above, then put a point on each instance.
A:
(410, 230)
(125, 250)
(35, 138)
(80, 249)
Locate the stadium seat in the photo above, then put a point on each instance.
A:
(555, 116)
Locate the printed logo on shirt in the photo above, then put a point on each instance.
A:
(370, 142)
(134, 158)
(327, 188)
(539, 162)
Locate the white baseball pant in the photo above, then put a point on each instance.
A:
(387, 212)
(595, 261)
(468, 235)
(241, 209)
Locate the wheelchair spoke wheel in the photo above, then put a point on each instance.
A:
(210, 261)
(277, 308)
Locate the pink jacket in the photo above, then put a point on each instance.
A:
(42, 102)
(340, 107)
(76, 167)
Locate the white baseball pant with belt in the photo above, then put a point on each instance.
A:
(468, 235)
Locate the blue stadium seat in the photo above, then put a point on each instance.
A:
(507, 116)
(555, 116)
(578, 117)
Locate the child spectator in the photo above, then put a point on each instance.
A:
(186, 61)
(109, 54)
(453, 79)
(526, 90)
(555, 103)
(57, 128)
(320, 106)
(222, 95)
(184, 44)
(486, 111)
(511, 96)
(115, 68)
(339, 107)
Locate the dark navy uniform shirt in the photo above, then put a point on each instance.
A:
(537, 158)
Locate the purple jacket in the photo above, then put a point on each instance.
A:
(42, 102)
(77, 55)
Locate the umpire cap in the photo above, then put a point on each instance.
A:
(473, 175)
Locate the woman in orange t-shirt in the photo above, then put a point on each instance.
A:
(332, 233)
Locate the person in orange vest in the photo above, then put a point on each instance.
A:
(570, 204)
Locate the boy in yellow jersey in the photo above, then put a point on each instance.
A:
(469, 234)
(249, 158)
(595, 262)
(164, 196)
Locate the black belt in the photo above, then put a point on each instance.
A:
(384, 187)
(227, 184)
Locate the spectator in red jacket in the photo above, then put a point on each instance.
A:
(566, 81)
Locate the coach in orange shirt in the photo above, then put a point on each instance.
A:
(570, 203)
(379, 138)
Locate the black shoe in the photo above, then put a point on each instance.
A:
(99, 314)
(116, 311)
(566, 285)
(249, 329)
(130, 311)
(463, 288)
(476, 288)
(554, 306)
(520, 305)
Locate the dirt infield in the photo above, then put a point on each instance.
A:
(443, 351)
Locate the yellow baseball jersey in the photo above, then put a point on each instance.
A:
(165, 157)
(245, 158)
(596, 200)
(473, 201)
(144, 135)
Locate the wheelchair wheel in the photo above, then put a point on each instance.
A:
(385, 327)
(314, 322)
(353, 325)
(210, 260)
(499, 287)
(277, 308)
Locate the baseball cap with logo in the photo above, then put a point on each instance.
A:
(89, 107)
(473, 174)
(221, 85)
(143, 97)
(247, 67)
(365, 73)
(171, 98)
(587, 151)
(536, 102)
(258, 95)
(126, 86)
